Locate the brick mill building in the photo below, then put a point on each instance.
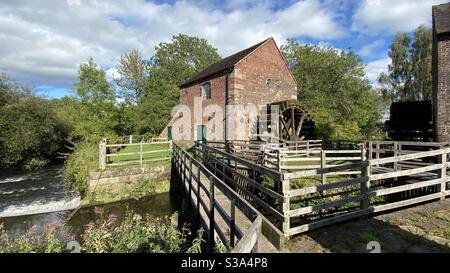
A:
(441, 72)
(257, 76)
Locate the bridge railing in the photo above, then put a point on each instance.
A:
(201, 186)
(256, 183)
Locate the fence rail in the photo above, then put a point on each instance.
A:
(113, 155)
(378, 177)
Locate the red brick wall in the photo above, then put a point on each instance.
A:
(251, 75)
(187, 97)
(261, 78)
(441, 88)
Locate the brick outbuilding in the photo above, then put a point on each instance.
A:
(254, 77)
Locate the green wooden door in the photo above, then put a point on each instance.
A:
(201, 133)
(169, 133)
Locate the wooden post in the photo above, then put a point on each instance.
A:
(286, 206)
(363, 153)
(279, 160)
(365, 187)
(131, 139)
(141, 157)
(442, 174)
(307, 149)
(211, 213)
(323, 163)
(190, 180)
(232, 221)
(377, 153)
(198, 194)
(102, 155)
(395, 155)
(370, 155)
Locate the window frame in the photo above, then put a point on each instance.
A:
(205, 95)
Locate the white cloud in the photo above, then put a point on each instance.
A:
(370, 48)
(388, 17)
(375, 68)
(45, 41)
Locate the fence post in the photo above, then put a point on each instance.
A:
(232, 222)
(170, 146)
(285, 187)
(190, 181)
(198, 194)
(211, 213)
(365, 186)
(323, 163)
(395, 155)
(442, 174)
(307, 149)
(279, 160)
(370, 155)
(131, 139)
(102, 155)
(363, 152)
(377, 153)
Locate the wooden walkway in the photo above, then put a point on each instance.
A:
(232, 224)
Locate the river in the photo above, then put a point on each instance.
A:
(36, 198)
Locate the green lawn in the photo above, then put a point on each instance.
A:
(123, 157)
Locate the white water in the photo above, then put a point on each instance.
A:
(38, 207)
(35, 192)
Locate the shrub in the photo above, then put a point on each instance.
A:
(135, 234)
(53, 239)
(105, 235)
(83, 159)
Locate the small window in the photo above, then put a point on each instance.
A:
(206, 91)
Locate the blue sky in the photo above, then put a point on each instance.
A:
(43, 42)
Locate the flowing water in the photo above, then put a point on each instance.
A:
(37, 198)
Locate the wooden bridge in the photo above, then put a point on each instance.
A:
(265, 192)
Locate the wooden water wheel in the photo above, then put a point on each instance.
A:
(294, 122)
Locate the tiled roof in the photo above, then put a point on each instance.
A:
(441, 15)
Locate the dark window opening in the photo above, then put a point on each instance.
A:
(206, 91)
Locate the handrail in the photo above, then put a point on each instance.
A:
(246, 208)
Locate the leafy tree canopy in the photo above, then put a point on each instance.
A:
(334, 88)
(409, 74)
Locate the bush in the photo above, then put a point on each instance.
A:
(135, 234)
(106, 235)
(83, 159)
(53, 239)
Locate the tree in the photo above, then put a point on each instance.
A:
(409, 75)
(333, 87)
(30, 132)
(133, 72)
(154, 109)
(93, 113)
(92, 86)
(177, 61)
(172, 64)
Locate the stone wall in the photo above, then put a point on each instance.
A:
(116, 181)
